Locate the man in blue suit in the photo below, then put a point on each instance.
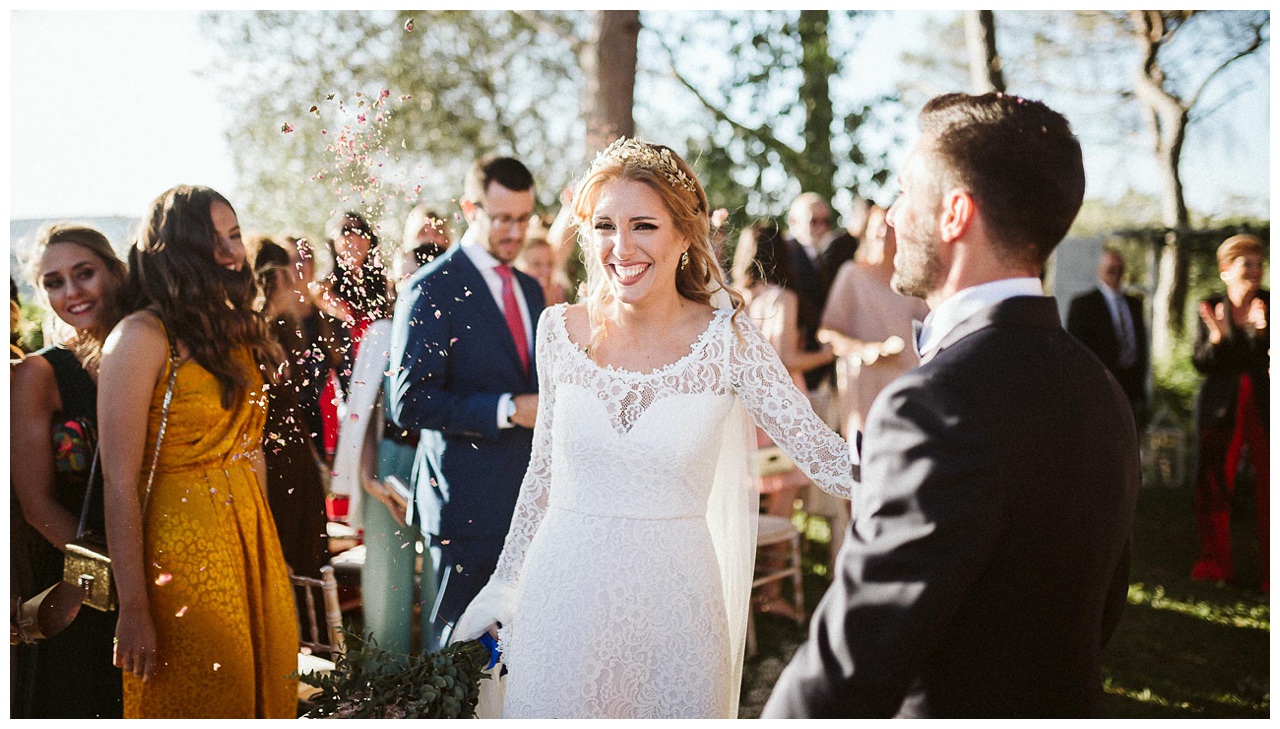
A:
(463, 374)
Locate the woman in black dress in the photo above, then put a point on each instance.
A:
(295, 491)
(53, 420)
(1233, 344)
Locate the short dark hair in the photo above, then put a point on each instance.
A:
(1019, 160)
(506, 171)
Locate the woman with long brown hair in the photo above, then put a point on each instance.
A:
(207, 625)
(52, 447)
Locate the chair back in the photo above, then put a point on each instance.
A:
(312, 640)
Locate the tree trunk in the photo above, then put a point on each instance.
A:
(817, 174)
(985, 72)
(1167, 117)
(608, 61)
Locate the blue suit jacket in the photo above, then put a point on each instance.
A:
(452, 358)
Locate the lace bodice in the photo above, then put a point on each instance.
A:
(649, 452)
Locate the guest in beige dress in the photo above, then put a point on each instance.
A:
(868, 324)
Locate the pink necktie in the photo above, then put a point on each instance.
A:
(511, 309)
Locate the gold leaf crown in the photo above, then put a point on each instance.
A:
(645, 155)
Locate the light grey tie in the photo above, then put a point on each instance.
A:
(1128, 355)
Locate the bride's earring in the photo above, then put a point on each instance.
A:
(684, 260)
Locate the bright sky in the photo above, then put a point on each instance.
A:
(108, 109)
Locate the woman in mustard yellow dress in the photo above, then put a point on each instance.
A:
(207, 623)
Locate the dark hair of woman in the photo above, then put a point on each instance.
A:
(173, 270)
(270, 259)
(367, 293)
(762, 257)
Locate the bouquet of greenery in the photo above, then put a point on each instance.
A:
(369, 682)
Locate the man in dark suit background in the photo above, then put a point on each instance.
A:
(987, 562)
(1109, 322)
(816, 252)
(463, 373)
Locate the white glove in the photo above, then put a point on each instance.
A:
(495, 603)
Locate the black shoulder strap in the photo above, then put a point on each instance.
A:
(75, 388)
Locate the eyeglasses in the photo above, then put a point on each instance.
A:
(506, 221)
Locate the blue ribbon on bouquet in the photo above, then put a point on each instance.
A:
(495, 655)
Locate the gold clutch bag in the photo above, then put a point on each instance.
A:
(86, 564)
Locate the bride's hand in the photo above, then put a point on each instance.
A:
(494, 605)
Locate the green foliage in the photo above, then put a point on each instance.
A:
(782, 113)
(371, 683)
(475, 82)
(30, 333)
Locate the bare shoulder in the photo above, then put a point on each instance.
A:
(33, 385)
(576, 322)
(140, 338)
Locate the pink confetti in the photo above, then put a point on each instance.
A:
(181, 611)
(286, 127)
(408, 25)
(163, 579)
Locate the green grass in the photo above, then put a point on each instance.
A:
(1183, 649)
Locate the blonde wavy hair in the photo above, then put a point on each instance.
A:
(685, 200)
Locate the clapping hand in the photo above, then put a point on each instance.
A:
(1215, 320)
(1257, 316)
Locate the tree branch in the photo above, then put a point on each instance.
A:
(1254, 45)
(541, 24)
(790, 158)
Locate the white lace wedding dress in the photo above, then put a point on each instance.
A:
(615, 582)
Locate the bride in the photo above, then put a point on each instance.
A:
(624, 582)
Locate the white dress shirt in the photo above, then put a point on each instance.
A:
(964, 304)
(487, 264)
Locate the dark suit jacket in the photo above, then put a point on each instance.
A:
(452, 358)
(1089, 320)
(1224, 362)
(811, 284)
(987, 562)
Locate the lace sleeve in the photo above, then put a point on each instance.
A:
(531, 505)
(777, 405)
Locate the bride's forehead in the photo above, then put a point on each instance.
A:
(626, 198)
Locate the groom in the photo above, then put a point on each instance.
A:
(988, 558)
(463, 373)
